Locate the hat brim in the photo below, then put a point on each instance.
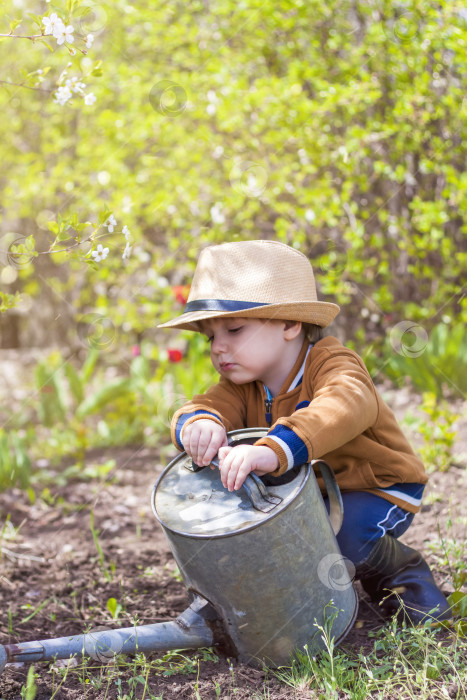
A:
(320, 313)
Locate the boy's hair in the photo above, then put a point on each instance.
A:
(312, 332)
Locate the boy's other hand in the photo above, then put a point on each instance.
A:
(237, 462)
(202, 440)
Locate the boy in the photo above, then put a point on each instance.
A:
(256, 303)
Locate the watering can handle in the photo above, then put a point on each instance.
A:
(257, 492)
(336, 506)
(261, 499)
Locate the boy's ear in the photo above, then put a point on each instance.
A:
(292, 329)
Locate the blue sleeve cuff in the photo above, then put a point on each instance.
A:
(183, 419)
(294, 448)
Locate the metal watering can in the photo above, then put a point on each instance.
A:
(262, 567)
(265, 557)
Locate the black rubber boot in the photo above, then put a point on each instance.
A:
(392, 566)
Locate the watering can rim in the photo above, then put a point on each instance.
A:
(334, 494)
(208, 536)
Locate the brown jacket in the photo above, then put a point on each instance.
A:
(346, 421)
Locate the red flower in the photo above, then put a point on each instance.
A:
(135, 350)
(181, 292)
(174, 354)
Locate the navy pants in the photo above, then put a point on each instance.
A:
(368, 517)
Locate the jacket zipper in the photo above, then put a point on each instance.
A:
(268, 406)
(269, 398)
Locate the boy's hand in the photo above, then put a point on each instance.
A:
(202, 440)
(237, 462)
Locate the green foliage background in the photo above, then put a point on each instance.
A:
(338, 127)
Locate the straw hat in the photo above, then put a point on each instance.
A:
(255, 279)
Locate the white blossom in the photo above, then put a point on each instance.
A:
(75, 84)
(63, 94)
(103, 178)
(143, 255)
(127, 204)
(100, 253)
(126, 232)
(127, 251)
(213, 100)
(52, 23)
(89, 99)
(310, 215)
(111, 223)
(162, 282)
(64, 34)
(89, 40)
(217, 216)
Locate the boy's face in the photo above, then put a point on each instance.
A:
(248, 349)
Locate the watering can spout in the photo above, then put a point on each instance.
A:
(191, 630)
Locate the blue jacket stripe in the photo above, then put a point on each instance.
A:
(296, 446)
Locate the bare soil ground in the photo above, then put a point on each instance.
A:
(53, 581)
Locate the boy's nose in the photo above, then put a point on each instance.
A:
(218, 345)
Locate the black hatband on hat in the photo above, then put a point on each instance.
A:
(221, 305)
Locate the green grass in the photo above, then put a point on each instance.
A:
(129, 677)
(407, 662)
(420, 663)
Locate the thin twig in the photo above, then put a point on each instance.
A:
(7, 82)
(20, 36)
